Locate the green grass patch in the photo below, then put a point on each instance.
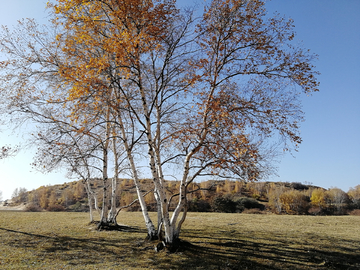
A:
(46, 240)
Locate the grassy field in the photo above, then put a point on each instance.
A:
(48, 240)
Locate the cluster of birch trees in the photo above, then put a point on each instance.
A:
(141, 87)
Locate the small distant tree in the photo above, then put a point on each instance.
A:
(274, 194)
(53, 204)
(15, 193)
(205, 186)
(150, 201)
(68, 197)
(128, 198)
(336, 198)
(52, 199)
(354, 196)
(219, 189)
(79, 192)
(294, 202)
(238, 187)
(44, 197)
(318, 198)
(257, 189)
(19, 195)
(228, 186)
(34, 197)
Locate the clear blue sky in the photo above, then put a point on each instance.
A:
(330, 153)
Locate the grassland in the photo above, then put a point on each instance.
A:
(48, 240)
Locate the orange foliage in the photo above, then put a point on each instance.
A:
(103, 35)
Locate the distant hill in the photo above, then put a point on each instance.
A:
(218, 196)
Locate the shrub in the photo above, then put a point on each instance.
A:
(77, 207)
(354, 205)
(253, 211)
(32, 207)
(355, 212)
(248, 203)
(298, 186)
(55, 208)
(223, 204)
(197, 205)
(316, 211)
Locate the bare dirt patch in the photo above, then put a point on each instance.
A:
(21, 207)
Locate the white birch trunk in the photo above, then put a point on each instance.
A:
(90, 196)
(104, 210)
(112, 212)
(156, 175)
(148, 222)
(96, 205)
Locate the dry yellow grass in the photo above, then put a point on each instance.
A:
(211, 241)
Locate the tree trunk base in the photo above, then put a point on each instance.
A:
(107, 226)
(151, 237)
(101, 226)
(175, 246)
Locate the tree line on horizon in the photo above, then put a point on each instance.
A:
(207, 196)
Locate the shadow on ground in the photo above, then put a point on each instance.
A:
(73, 250)
(246, 252)
(227, 250)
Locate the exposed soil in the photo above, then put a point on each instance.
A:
(20, 207)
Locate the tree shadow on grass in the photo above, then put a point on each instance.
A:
(73, 250)
(223, 250)
(242, 252)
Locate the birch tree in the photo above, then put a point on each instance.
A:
(208, 94)
(242, 95)
(32, 70)
(124, 33)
